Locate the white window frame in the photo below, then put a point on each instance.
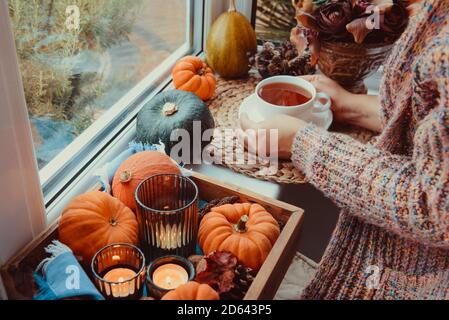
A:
(22, 212)
(23, 217)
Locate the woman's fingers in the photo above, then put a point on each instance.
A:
(248, 139)
(309, 78)
(242, 137)
(250, 136)
(246, 123)
(315, 80)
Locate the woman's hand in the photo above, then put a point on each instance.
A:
(286, 126)
(341, 99)
(359, 109)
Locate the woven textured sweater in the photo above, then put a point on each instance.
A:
(392, 237)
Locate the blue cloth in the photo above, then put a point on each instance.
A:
(61, 276)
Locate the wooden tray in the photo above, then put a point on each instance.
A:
(17, 273)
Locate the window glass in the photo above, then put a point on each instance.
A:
(79, 57)
(274, 20)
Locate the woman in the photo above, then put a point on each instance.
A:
(392, 238)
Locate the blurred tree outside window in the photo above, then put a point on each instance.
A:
(72, 74)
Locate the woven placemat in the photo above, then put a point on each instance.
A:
(224, 107)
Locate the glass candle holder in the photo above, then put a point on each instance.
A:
(119, 271)
(167, 273)
(167, 213)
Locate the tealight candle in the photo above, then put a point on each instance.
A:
(168, 273)
(119, 275)
(119, 271)
(170, 276)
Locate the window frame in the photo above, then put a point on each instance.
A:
(22, 213)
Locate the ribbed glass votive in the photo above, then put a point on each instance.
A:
(167, 213)
(119, 271)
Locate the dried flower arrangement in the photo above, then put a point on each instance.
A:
(356, 21)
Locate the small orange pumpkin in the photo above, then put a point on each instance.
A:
(193, 75)
(137, 168)
(244, 229)
(94, 220)
(192, 291)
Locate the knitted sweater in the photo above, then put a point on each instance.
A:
(392, 237)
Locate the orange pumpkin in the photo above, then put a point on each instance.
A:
(244, 229)
(192, 291)
(94, 220)
(137, 168)
(193, 75)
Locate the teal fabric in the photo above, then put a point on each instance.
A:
(63, 277)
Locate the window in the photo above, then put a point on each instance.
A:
(78, 60)
(158, 32)
(274, 20)
(86, 65)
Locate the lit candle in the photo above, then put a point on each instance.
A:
(119, 271)
(170, 276)
(120, 276)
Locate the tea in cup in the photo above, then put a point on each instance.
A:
(291, 96)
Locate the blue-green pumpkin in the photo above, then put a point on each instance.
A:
(171, 110)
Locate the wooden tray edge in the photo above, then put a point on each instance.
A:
(269, 277)
(275, 267)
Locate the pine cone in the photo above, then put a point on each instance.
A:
(281, 60)
(243, 279)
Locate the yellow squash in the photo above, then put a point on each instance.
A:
(230, 41)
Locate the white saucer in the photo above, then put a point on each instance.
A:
(249, 106)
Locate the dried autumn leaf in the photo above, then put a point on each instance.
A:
(306, 20)
(303, 38)
(358, 28)
(218, 270)
(218, 261)
(299, 40)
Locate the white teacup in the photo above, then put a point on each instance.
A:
(305, 111)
